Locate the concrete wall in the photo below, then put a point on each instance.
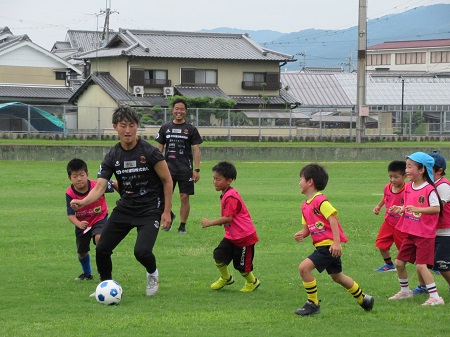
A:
(301, 153)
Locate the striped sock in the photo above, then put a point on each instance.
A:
(356, 292)
(311, 290)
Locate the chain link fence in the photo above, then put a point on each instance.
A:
(229, 124)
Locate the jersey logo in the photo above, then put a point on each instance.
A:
(319, 225)
(316, 211)
(186, 131)
(421, 199)
(143, 160)
(98, 209)
(129, 164)
(176, 130)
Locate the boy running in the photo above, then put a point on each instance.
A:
(319, 219)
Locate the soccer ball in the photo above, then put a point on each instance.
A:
(109, 292)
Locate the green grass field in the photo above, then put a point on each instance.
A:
(39, 263)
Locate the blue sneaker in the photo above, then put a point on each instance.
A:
(386, 267)
(420, 290)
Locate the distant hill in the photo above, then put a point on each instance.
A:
(337, 48)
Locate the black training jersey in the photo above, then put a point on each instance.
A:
(140, 187)
(178, 140)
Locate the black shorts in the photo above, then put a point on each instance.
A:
(242, 257)
(323, 260)
(185, 184)
(84, 240)
(442, 253)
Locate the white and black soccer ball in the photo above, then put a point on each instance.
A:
(109, 292)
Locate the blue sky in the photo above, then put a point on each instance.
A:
(46, 22)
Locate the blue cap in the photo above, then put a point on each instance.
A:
(425, 160)
(439, 160)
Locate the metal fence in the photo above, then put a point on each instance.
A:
(230, 124)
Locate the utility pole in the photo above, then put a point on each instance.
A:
(361, 76)
(304, 59)
(107, 12)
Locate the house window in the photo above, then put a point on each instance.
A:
(440, 57)
(261, 81)
(378, 59)
(149, 78)
(154, 78)
(410, 58)
(198, 77)
(60, 75)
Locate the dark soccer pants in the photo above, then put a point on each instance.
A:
(116, 229)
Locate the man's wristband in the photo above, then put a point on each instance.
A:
(197, 170)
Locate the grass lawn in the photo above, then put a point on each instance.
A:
(39, 263)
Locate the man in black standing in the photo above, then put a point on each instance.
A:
(180, 143)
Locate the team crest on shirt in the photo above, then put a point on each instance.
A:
(186, 131)
(98, 209)
(421, 199)
(143, 160)
(316, 211)
(319, 225)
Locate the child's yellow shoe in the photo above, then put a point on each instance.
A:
(221, 282)
(249, 287)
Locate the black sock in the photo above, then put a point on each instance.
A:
(388, 260)
(182, 224)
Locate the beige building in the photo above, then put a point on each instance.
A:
(31, 74)
(143, 68)
(418, 56)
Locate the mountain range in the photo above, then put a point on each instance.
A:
(337, 48)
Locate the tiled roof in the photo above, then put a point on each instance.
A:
(411, 44)
(119, 93)
(186, 45)
(315, 89)
(339, 90)
(256, 100)
(276, 114)
(33, 93)
(9, 40)
(338, 119)
(201, 92)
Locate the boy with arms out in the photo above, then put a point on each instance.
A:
(88, 220)
(319, 219)
(393, 195)
(238, 245)
(145, 189)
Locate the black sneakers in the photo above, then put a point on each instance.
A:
(308, 309)
(84, 277)
(367, 303)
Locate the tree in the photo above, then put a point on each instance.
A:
(207, 106)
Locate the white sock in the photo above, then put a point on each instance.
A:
(155, 273)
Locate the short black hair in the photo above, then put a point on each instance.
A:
(180, 100)
(76, 165)
(317, 173)
(226, 169)
(125, 113)
(397, 166)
